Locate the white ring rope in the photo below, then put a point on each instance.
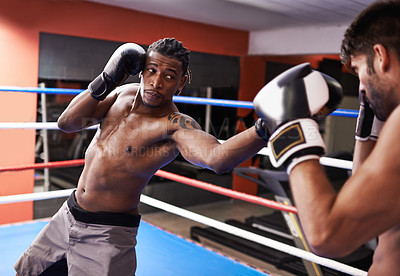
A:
(33, 125)
(337, 163)
(252, 236)
(206, 221)
(35, 196)
(326, 161)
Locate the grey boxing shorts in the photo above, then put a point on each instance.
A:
(99, 243)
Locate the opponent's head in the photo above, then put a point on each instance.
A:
(377, 24)
(373, 40)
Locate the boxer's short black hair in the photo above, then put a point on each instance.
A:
(170, 47)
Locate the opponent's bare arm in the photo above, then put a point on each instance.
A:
(361, 151)
(365, 207)
(203, 149)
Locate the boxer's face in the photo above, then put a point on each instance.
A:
(379, 93)
(162, 77)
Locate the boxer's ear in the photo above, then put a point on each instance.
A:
(381, 57)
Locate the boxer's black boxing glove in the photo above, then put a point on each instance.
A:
(128, 59)
(289, 107)
(368, 125)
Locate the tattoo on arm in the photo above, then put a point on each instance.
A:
(184, 122)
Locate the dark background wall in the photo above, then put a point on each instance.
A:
(79, 60)
(82, 59)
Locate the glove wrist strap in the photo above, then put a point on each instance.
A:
(296, 138)
(101, 86)
(297, 160)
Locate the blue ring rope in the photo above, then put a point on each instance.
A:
(178, 99)
(62, 91)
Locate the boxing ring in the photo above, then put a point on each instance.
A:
(156, 245)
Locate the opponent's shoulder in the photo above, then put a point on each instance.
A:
(182, 121)
(387, 142)
(393, 121)
(396, 113)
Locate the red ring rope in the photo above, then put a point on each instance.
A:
(56, 164)
(171, 176)
(227, 192)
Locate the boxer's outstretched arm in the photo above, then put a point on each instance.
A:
(204, 150)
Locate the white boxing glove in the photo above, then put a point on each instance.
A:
(289, 108)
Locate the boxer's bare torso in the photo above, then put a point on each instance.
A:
(127, 150)
(386, 255)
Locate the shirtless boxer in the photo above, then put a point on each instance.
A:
(140, 131)
(368, 204)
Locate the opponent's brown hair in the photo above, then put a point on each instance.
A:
(377, 24)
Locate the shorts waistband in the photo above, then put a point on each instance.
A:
(105, 218)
